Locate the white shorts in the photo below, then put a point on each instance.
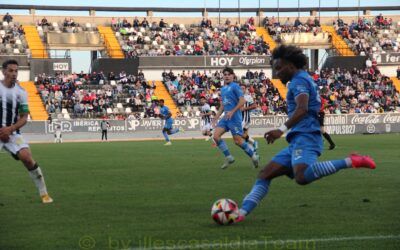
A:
(57, 134)
(15, 144)
(206, 127)
(245, 125)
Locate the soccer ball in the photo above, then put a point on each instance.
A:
(224, 211)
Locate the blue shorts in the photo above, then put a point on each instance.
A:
(168, 123)
(233, 125)
(303, 149)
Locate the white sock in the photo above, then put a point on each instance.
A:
(348, 162)
(242, 212)
(38, 179)
(251, 140)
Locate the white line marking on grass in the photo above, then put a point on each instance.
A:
(158, 244)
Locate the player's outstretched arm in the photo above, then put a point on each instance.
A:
(300, 111)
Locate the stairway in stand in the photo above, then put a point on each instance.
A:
(396, 83)
(36, 106)
(267, 37)
(162, 93)
(34, 41)
(282, 89)
(337, 41)
(112, 45)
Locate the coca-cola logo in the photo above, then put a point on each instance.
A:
(391, 118)
(368, 119)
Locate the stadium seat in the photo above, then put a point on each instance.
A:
(197, 113)
(64, 111)
(185, 114)
(113, 83)
(128, 110)
(67, 116)
(16, 51)
(119, 105)
(109, 111)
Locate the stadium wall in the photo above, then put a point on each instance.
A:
(23, 75)
(50, 66)
(155, 74)
(334, 124)
(388, 70)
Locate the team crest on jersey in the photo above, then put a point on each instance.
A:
(298, 154)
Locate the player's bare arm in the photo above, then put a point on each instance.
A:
(5, 132)
(218, 115)
(300, 111)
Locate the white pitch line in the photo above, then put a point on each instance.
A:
(252, 243)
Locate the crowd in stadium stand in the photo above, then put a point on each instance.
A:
(187, 88)
(141, 38)
(68, 25)
(275, 27)
(121, 96)
(357, 91)
(96, 95)
(366, 37)
(12, 39)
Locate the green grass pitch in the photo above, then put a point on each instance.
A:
(130, 195)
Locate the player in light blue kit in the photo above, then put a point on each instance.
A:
(232, 102)
(299, 159)
(167, 116)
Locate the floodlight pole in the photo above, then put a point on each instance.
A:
(239, 10)
(219, 11)
(298, 8)
(319, 11)
(278, 11)
(259, 13)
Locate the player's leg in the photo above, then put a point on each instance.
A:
(105, 134)
(307, 169)
(221, 144)
(237, 134)
(165, 133)
(278, 166)
(328, 138)
(20, 151)
(247, 137)
(55, 138)
(102, 135)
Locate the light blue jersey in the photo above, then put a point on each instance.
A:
(305, 141)
(164, 110)
(302, 83)
(230, 95)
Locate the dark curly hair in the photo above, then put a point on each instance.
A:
(8, 62)
(291, 54)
